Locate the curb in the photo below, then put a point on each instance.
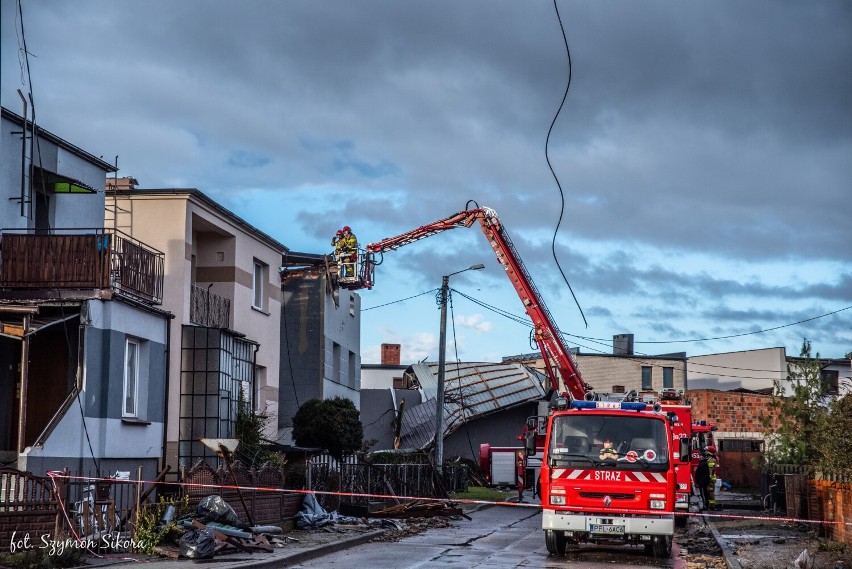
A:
(270, 560)
(730, 560)
(319, 551)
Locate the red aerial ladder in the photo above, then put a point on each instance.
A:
(560, 365)
(582, 490)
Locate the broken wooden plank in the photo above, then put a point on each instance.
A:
(166, 551)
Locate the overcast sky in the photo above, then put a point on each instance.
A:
(704, 150)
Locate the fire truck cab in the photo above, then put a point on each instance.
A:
(609, 475)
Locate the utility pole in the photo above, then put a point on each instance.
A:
(442, 358)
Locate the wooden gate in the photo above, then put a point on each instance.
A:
(28, 507)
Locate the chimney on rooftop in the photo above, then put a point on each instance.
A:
(622, 344)
(390, 354)
(124, 183)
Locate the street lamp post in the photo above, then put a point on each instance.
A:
(442, 357)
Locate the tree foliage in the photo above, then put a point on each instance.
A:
(835, 442)
(807, 426)
(800, 415)
(331, 424)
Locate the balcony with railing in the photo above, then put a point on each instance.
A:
(208, 309)
(81, 259)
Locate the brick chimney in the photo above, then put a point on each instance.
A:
(390, 354)
(125, 183)
(622, 344)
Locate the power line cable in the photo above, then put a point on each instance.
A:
(749, 333)
(691, 340)
(553, 172)
(399, 300)
(458, 378)
(528, 324)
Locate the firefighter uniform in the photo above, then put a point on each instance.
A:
(713, 466)
(347, 248)
(702, 479)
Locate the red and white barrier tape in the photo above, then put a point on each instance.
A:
(580, 509)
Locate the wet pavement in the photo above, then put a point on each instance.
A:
(735, 532)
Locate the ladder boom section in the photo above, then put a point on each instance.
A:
(560, 365)
(559, 362)
(461, 219)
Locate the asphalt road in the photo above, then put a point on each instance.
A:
(497, 537)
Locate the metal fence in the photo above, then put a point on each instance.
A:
(378, 482)
(95, 507)
(804, 492)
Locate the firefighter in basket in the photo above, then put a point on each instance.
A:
(347, 252)
(335, 242)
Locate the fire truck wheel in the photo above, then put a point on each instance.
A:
(661, 546)
(555, 541)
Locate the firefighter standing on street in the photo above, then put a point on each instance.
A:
(702, 479)
(713, 467)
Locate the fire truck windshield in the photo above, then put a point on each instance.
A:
(620, 442)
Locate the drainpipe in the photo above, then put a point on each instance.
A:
(23, 155)
(168, 321)
(22, 409)
(255, 386)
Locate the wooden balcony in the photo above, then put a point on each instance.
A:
(81, 259)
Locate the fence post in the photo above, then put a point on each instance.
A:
(138, 500)
(308, 484)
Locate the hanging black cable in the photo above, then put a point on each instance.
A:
(553, 172)
(458, 379)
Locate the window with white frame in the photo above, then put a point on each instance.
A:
(130, 401)
(261, 275)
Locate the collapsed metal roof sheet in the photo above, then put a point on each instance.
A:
(471, 390)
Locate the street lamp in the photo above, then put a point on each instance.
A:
(442, 356)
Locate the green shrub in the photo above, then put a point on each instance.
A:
(150, 532)
(330, 424)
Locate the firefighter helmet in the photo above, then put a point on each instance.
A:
(346, 228)
(340, 232)
(710, 449)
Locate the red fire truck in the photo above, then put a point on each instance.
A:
(620, 483)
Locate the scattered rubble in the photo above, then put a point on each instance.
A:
(699, 547)
(412, 526)
(767, 544)
(214, 528)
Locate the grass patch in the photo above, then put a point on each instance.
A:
(482, 493)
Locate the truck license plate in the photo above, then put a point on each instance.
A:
(603, 528)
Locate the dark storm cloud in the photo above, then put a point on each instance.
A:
(718, 123)
(716, 129)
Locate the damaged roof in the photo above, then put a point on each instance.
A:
(471, 390)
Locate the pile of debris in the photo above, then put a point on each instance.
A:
(215, 529)
(396, 530)
(419, 509)
(419, 515)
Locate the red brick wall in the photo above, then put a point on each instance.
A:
(831, 502)
(731, 411)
